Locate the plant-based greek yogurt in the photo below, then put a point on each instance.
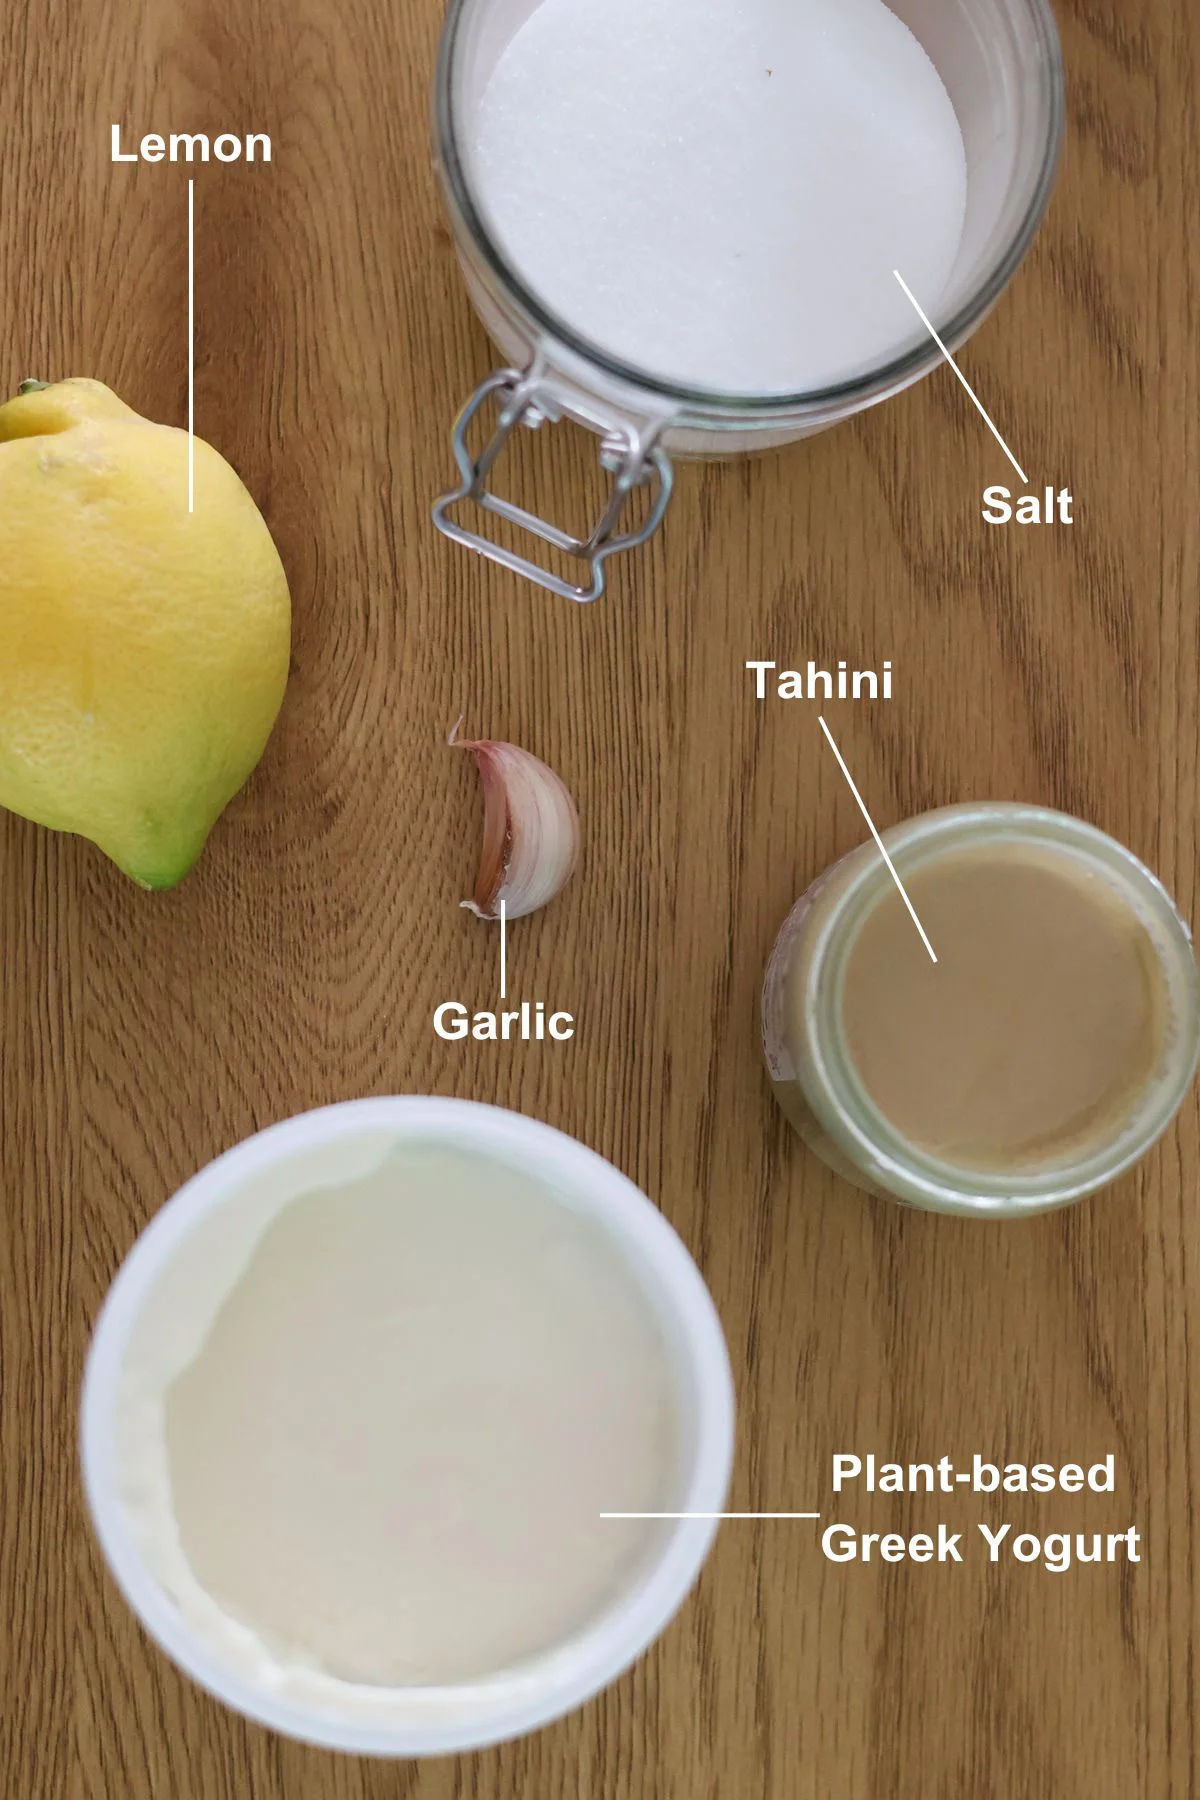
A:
(406, 1425)
(389, 1458)
(720, 191)
(382, 1455)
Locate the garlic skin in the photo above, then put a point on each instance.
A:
(530, 830)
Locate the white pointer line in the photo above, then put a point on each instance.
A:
(503, 953)
(709, 1515)
(937, 340)
(878, 840)
(191, 346)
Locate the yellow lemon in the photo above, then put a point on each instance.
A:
(143, 648)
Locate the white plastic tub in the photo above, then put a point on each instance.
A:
(317, 1148)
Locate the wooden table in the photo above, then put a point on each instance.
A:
(301, 962)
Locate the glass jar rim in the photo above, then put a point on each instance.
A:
(836, 1092)
(885, 378)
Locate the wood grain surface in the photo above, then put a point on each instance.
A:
(301, 962)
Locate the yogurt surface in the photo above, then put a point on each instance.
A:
(368, 1444)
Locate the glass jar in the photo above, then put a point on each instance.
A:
(1001, 65)
(813, 1074)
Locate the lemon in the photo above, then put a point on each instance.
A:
(143, 648)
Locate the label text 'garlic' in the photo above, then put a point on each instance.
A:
(528, 1023)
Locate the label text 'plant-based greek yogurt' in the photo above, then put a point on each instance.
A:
(998, 1540)
(1057, 1551)
(876, 1476)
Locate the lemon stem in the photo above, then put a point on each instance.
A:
(32, 387)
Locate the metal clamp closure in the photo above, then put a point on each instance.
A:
(629, 453)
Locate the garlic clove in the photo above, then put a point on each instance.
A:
(530, 830)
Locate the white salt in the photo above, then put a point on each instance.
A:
(718, 191)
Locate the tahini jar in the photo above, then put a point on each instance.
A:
(807, 1044)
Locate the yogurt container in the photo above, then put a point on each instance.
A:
(159, 1298)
